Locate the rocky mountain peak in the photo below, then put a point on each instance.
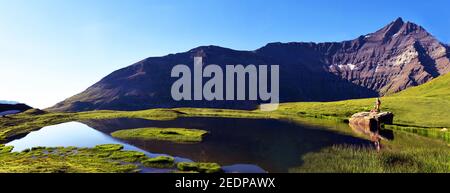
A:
(399, 55)
(398, 29)
(395, 26)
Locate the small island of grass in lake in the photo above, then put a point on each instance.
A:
(177, 135)
(199, 167)
(159, 162)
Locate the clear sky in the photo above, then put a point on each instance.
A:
(53, 49)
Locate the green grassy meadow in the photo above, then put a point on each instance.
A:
(425, 106)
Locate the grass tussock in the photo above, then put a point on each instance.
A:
(159, 162)
(199, 167)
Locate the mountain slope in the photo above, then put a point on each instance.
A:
(427, 105)
(147, 84)
(439, 88)
(396, 57)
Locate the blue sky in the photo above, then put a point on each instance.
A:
(53, 49)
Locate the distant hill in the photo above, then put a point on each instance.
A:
(12, 108)
(398, 56)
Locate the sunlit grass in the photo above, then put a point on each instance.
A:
(408, 153)
(178, 135)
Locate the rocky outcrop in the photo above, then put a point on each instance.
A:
(369, 123)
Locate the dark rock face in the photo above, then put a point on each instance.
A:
(11, 107)
(396, 57)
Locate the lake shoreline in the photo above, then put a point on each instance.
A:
(314, 161)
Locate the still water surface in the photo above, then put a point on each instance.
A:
(240, 145)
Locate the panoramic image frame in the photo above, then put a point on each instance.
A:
(201, 91)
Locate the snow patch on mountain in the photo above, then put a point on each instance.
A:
(350, 66)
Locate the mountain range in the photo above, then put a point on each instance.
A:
(395, 57)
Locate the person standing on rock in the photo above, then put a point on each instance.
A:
(377, 108)
(378, 105)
